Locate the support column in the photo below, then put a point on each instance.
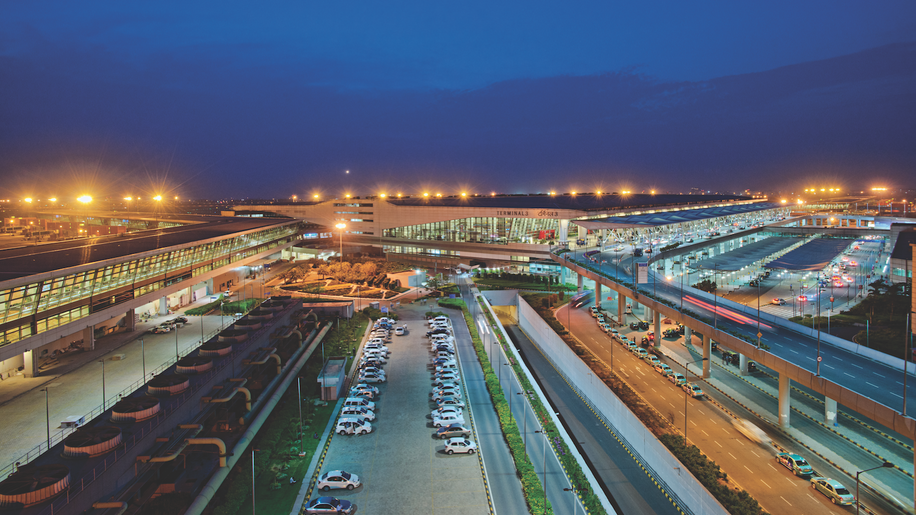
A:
(688, 335)
(30, 364)
(621, 306)
(707, 355)
(597, 294)
(830, 412)
(89, 338)
(658, 329)
(647, 312)
(580, 279)
(784, 407)
(130, 320)
(564, 232)
(742, 364)
(164, 306)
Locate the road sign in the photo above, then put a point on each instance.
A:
(819, 359)
(759, 335)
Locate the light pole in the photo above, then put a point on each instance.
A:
(573, 490)
(299, 387)
(102, 361)
(48, 414)
(687, 373)
(143, 358)
(253, 512)
(818, 290)
(546, 437)
(341, 226)
(525, 422)
(177, 354)
(886, 464)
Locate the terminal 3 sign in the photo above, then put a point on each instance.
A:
(543, 213)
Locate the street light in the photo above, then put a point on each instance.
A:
(102, 361)
(48, 414)
(687, 373)
(253, 512)
(341, 226)
(546, 437)
(886, 464)
(525, 422)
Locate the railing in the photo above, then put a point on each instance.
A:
(59, 436)
(111, 458)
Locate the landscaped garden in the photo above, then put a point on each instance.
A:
(512, 281)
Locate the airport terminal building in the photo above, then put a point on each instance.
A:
(514, 230)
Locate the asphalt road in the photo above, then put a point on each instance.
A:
(631, 491)
(710, 428)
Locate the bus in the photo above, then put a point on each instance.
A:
(580, 299)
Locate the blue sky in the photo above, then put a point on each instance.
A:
(220, 99)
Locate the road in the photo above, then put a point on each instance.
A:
(748, 464)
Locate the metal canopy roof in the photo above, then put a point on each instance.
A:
(673, 217)
(812, 256)
(582, 201)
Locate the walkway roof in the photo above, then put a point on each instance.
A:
(581, 202)
(812, 256)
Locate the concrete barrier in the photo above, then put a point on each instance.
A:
(652, 454)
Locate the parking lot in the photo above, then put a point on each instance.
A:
(402, 466)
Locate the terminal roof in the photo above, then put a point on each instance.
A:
(47, 257)
(812, 256)
(673, 217)
(582, 202)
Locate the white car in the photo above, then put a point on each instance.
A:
(338, 479)
(362, 392)
(372, 377)
(451, 380)
(357, 411)
(400, 331)
(353, 426)
(446, 392)
(450, 401)
(365, 386)
(441, 385)
(442, 410)
(457, 444)
(447, 419)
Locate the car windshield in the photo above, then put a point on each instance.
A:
(801, 463)
(842, 491)
(346, 475)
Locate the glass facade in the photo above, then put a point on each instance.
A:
(491, 230)
(37, 307)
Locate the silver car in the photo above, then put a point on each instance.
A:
(338, 479)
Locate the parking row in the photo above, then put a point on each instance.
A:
(446, 396)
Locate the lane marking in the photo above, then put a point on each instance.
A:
(784, 499)
(764, 482)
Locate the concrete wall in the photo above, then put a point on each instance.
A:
(647, 448)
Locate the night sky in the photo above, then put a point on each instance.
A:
(272, 99)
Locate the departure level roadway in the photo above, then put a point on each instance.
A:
(871, 379)
(750, 465)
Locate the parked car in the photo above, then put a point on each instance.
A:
(365, 386)
(358, 411)
(446, 392)
(450, 401)
(323, 505)
(641, 353)
(798, 465)
(453, 430)
(442, 410)
(372, 377)
(352, 426)
(400, 331)
(677, 378)
(693, 390)
(160, 329)
(457, 444)
(338, 479)
(652, 360)
(836, 492)
(447, 419)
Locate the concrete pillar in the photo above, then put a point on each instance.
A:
(89, 338)
(658, 329)
(30, 364)
(830, 411)
(648, 313)
(742, 364)
(579, 278)
(621, 307)
(784, 406)
(598, 294)
(564, 231)
(707, 355)
(164, 306)
(688, 335)
(130, 320)
(582, 232)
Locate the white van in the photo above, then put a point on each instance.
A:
(352, 426)
(359, 402)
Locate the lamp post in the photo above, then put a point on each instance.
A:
(253, 511)
(299, 388)
(886, 464)
(818, 290)
(48, 414)
(143, 357)
(177, 354)
(686, 373)
(341, 226)
(525, 422)
(546, 437)
(573, 490)
(102, 361)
